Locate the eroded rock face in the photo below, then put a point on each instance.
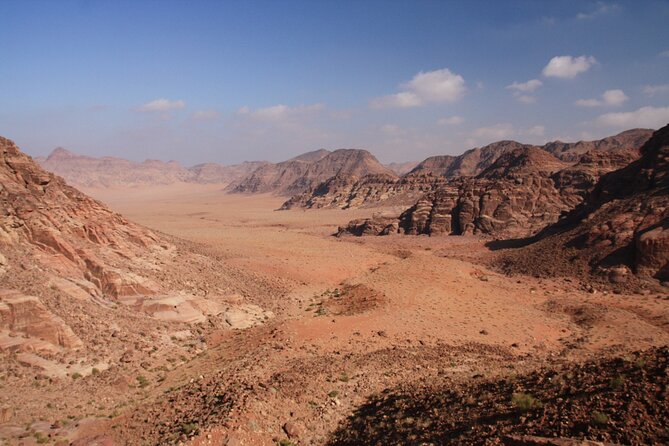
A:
(622, 223)
(377, 225)
(347, 191)
(25, 315)
(652, 252)
(523, 191)
(44, 219)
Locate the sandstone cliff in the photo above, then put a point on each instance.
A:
(620, 230)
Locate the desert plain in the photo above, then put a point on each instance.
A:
(352, 317)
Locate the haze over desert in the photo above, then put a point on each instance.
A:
(314, 223)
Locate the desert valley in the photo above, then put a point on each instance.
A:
(367, 308)
(351, 223)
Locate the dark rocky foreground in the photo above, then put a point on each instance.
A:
(619, 400)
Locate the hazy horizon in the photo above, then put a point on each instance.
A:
(232, 82)
(294, 155)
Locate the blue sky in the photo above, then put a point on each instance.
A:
(240, 80)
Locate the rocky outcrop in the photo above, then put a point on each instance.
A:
(520, 193)
(346, 191)
(621, 228)
(377, 225)
(304, 173)
(26, 316)
(66, 232)
(581, 178)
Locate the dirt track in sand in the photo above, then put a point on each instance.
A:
(428, 299)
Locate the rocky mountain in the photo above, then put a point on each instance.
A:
(72, 272)
(434, 165)
(620, 231)
(522, 161)
(474, 161)
(307, 171)
(622, 141)
(604, 155)
(87, 171)
(470, 163)
(521, 192)
(402, 168)
(514, 194)
(71, 242)
(311, 157)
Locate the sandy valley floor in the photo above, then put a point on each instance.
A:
(356, 310)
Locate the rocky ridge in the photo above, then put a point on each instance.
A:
(68, 232)
(520, 193)
(303, 173)
(60, 244)
(612, 152)
(620, 231)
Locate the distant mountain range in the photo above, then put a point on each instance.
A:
(88, 171)
(311, 176)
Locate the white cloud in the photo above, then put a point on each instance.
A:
(391, 130)
(452, 120)
(612, 98)
(279, 112)
(664, 53)
(568, 67)
(494, 132)
(161, 105)
(206, 115)
(426, 87)
(602, 8)
(537, 130)
(588, 103)
(652, 90)
(649, 117)
(525, 87)
(405, 99)
(526, 99)
(521, 90)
